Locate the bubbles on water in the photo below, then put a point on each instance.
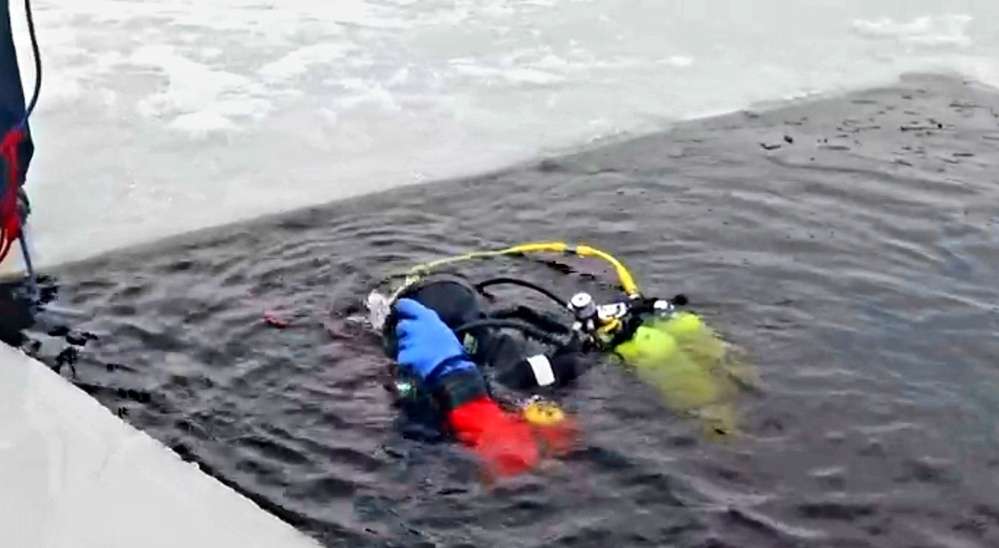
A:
(378, 306)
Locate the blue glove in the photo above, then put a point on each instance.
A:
(427, 346)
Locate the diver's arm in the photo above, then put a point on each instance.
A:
(429, 349)
(542, 371)
(503, 441)
(551, 370)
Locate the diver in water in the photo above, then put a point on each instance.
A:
(450, 343)
(504, 352)
(509, 437)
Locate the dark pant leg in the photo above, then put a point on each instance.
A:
(12, 104)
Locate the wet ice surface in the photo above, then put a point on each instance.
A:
(159, 117)
(849, 245)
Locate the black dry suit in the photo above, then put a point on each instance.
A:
(499, 341)
(495, 339)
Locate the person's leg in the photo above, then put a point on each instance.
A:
(12, 104)
(16, 307)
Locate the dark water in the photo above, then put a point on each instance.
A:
(857, 262)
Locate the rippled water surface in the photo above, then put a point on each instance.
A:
(849, 245)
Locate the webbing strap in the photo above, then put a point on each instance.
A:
(10, 217)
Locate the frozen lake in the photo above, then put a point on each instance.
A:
(159, 117)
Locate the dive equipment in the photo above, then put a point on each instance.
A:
(583, 307)
(599, 327)
(540, 412)
(666, 347)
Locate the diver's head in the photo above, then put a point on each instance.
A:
(453, 299)
(456, 302)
